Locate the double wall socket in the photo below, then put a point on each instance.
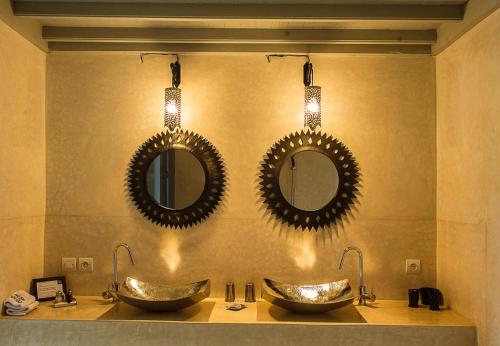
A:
(85, 264)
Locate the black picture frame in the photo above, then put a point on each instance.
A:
(341, 157)
(36, 287)
(208, 157)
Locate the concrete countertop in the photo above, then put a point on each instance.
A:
(94, 321)
(212, 310)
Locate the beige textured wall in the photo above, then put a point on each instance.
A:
(28, 28)
(101, 107)
(468, 168)
(22, 161)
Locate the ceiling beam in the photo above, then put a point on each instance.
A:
(239, 48)
(313, 12)
(212, 35)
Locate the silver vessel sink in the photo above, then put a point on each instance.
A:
(155, 297)
(308, 298)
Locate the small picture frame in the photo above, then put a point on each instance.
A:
(46, 288)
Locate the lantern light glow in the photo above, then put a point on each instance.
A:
(312, 107)
(172, 108)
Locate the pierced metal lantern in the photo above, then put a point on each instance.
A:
(312, 107)
(172, 108)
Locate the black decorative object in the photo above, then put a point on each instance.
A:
(431, 296)
(413, 294)
(69, 296)
(208, 157)
(436, 298)
(287, 148)
(425, 295)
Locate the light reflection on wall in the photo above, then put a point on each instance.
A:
(169, 251)
(303, 250)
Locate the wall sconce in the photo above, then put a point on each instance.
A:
(172, 111)
(312, 99)
(173, 99)
(312, 93)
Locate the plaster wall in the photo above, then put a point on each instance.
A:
(468, 183)
(101, 107)
(22, 161)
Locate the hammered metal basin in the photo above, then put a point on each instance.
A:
(155, 297)
(308, 298)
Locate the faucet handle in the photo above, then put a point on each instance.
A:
(365, 297)
(109, 294)
(371, 296)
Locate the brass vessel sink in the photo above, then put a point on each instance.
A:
(308, 298)
(155, 297)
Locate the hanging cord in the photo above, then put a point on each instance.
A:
(175, 67)
(308, 67)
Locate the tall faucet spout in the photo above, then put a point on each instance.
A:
(363, 295)
(116, 284)
(360, 256)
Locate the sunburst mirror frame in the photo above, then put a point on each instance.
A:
(341, 157)
(205, 153)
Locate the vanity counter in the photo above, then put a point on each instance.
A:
(95, 322)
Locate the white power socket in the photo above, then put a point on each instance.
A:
(68, 264)
(86, 264)
(413, 266)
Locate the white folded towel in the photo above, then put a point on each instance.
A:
(22, 311)
(20, 303)
(19, 299)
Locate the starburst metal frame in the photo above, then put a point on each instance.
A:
(337, 152)
(205, 153)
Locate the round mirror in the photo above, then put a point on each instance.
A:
(175, 179)
(308, 180)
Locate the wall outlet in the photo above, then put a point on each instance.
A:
(86, 264)
(68, 264)
(412, 266)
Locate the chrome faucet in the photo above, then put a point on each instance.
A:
(116, 284)
(363, 294)
(111, 293)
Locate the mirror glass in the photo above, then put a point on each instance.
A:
(309, 180)
(175, 179)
